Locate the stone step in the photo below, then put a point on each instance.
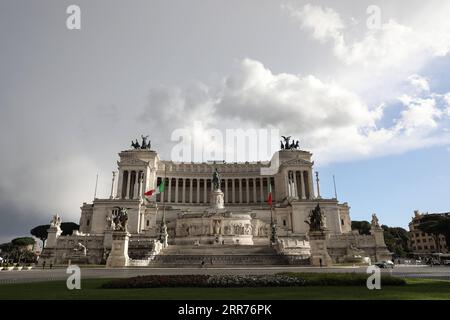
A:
(217, 260)
(206, 250)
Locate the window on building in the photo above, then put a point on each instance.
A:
(418, 240)
(88, 221)
(419, 247)
(342, 222)
(148, 223)
(425, 247)
(284, 223)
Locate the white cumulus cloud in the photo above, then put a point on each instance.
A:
(332, 121)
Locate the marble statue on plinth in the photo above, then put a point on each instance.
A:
(56, 221)
(375, 223)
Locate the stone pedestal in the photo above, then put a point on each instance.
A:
(217, 197)
(319, 251)
(381, 250)
(107, 239)
(53, 234)
(119, 251)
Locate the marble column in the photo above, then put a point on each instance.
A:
(198, 189)
(311, 185)
(261, 187)
(225, 191)
(294, 178)
(254, 191)
(247, 190)
(302, 185)
(183, 191)
(141, 181)
(128, 186)
(169, 190)
(112, 185)
(176, 190)
(288, 189)
(205, 191)
(119, 184)
(233, 191)
(190, 189)
(240, 190)
(136, 185)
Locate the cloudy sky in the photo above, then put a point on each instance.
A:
(371, 100)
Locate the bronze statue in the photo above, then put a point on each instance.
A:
(289, 145)
(143, 145)
(216, 180)
(135, 144)
(316, 219)
(286, 142)
(120, 219)
(144, 142)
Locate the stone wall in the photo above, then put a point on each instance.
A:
(67, 249)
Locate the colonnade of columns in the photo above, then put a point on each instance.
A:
(196, 190)
(299, 184)
(131, 184)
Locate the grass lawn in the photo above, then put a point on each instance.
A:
(90, 289)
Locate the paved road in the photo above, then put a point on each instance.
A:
(37, 275)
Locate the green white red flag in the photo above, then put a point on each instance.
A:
(158, 190)
(269, 197)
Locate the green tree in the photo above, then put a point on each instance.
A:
(40, 232)
(362, 226)
(436, 224)
(68, 227)
(23, 241)
(396, 240)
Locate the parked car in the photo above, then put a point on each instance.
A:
(446, 262)
(384, 264)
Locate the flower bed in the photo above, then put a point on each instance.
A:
(155, 281)
(227, 281)
(342, 279)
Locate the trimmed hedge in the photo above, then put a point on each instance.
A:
(286, 279)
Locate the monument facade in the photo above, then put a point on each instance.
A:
(214, 204)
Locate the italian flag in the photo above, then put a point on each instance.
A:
(269, 197)
(156, 191)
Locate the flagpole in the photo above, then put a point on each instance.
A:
(95, 191)
(335, 190)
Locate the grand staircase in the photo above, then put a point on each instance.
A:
(217, 255)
